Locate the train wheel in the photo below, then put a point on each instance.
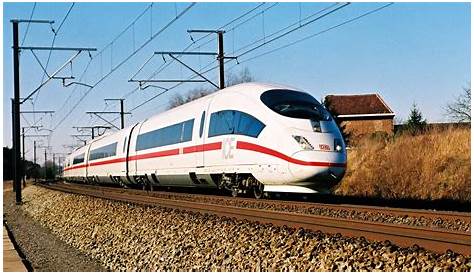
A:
(258, 191)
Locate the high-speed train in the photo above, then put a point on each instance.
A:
(248, 138)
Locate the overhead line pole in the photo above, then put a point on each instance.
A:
(92, 128)
(16, 114)
(16, 95)
(24, 149)
(220, 56)
(121, 112)
(220, 52)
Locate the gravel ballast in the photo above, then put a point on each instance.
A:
(43, 250)
(137, 238)
(347, 213)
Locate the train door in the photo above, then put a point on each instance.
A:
(200, 156)
(203, 128)
(128, 167)
(86, 161)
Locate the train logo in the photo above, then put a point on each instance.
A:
(228, 145)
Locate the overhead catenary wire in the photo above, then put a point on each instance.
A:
(298, 41)
(55, 34)
(28, 25)
(125, 60)
(254, 48)
(149, 7)
(297, 23)
(294, 29)
(278, 37)
(317, 33)
(194, 41)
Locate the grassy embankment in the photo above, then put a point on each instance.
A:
(431, 166)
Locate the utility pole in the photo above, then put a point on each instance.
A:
(121, 112)
(92, 129)
(24, 149)
(220, 53)
(54, 166)
(34, 152)
(16, 93)
(45, 159)
(13, 144)
(34, 156)
(220, 56)
(16, 114)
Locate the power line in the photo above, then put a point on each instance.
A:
(125, 60)
(149, 7)
(55, 33)
(255, 48)
(28, 26)
(167, 64)
(294, 29)
(295, 42)
(298, 22)
(318, 33)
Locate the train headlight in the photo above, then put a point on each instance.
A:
(303, 142)
(338, 144)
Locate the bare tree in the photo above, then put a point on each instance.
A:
(178, 99)
(460, 109)
(191, 95)
(243, 77)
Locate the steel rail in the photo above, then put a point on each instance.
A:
(432, 214)
(437, 240)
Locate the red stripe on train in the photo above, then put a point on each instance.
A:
(268, 151)
(204, 147)
(213, 146)
(163, 153)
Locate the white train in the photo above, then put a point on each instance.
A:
(246, 138)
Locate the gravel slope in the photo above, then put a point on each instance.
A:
(135, 238)
(44, 250)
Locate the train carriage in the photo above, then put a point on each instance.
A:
(249, 137)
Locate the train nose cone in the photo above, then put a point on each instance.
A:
(318, 166)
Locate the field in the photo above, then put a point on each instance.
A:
(430, 166)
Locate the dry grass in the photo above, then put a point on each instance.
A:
(434, 165)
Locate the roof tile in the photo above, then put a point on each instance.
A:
(356, 104)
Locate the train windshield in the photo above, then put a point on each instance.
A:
(295, 104)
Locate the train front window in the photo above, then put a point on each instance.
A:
(295, 104)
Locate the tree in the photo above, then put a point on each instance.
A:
(460, 109)
(178, 99)
(243, 77)
(415, 122)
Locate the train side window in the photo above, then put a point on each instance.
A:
(78, 159)
(201, 127)
(173, 134)
(124, 144)
(234, 122)
(187, 133)
(248, 125)
(103, 152)
(221, 123)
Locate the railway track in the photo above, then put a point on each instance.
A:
(263, 203)
(438, 240)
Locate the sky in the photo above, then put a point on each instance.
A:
(407, 52)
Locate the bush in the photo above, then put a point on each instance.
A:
(433, 165)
